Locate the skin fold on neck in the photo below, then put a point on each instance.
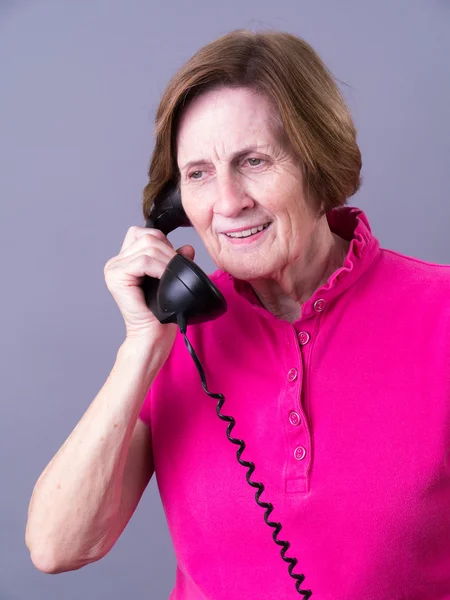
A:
(285, 295)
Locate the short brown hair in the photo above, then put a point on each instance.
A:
(290, 73)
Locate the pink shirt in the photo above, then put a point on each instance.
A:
(346, 415)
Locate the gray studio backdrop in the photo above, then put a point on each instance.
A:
(79, 85)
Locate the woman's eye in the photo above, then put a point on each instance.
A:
(260, 161)
(254, 162)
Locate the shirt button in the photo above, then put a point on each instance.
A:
(292, 375)
(303, 337)
(319, 305)
(299, 453)
(294, 418)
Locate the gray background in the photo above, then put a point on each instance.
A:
(80, 82)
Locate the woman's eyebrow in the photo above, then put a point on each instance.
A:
(237, 154)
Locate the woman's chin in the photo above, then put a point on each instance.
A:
(240, 270)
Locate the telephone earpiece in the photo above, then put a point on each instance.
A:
(184, 290)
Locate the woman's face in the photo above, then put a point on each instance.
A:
(238, 173)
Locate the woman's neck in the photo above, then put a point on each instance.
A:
(285, 294)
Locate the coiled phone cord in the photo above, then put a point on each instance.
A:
(251, 466)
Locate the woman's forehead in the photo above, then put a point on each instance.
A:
(226, 122)
(228, 104)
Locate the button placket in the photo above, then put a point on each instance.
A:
(296, 427)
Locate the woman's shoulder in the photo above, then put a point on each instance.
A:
(415, 267)
(414, 278)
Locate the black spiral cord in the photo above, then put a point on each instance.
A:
(251, 467)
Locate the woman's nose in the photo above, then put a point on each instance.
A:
(231, 196)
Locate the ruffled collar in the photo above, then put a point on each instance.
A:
(350, 223)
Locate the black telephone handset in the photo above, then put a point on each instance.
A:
(184, 290)
(185, 295)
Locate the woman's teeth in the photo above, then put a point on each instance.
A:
(248, 232)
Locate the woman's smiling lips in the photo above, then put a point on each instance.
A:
(234, 236)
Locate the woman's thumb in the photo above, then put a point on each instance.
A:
(187, 251)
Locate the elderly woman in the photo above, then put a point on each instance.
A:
(333, 357)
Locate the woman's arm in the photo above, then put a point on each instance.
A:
(86, 495)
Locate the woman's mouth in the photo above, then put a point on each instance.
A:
(248, 235)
